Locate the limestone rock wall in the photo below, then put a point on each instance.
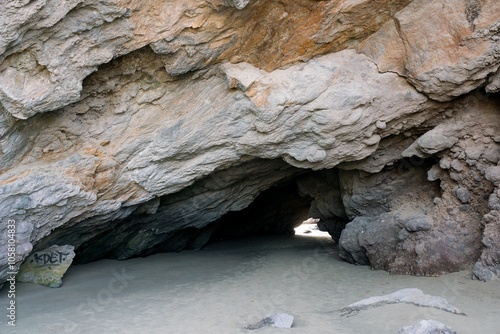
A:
(129, 127)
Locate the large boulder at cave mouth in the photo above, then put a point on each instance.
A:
(47, 267)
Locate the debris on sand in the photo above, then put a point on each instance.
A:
(408, 296)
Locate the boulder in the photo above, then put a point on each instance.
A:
(47, 267)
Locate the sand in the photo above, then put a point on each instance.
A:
(231, 284)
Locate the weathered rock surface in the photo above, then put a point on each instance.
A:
(22, 236)
(39, 74)
(427, 327)
(48, 49)
(131, 127)
(47, 267)
(399, 215)
(409, 296)
(131, 144)
(461, 57)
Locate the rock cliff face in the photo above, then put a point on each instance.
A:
(132, 127)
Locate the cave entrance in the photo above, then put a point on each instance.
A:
(309, 228)
(276, 211)
(256, 198)
(284, 209)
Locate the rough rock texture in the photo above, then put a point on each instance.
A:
(459, 53)
(23, 245)
(427, 327)
(327, 206)
(409, 296)
(131, 127)
(49, 48)
(404, 223)
(47, 267)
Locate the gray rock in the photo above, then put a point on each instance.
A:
(493, 174)
(493, 83)
(492, 154)
(408, 296)
(433, 141)
(49, 76)
(483, 273)
(278, 320)
(47, 267)
(177, 141)
(388, 153)
(240, 4)
(370, 240)
(463, 195)
(398, 46)
(435, 173)
(108, 117)
(427, 327)
(494, 201)
(416, 224)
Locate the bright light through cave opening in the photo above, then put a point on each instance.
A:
(309, 228)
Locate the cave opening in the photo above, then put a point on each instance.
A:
(280, 210)
(257, 198)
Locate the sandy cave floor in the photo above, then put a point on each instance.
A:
(231, 284)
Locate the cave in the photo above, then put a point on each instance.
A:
(264, 197)
(277, 210)
(163, 136)
(257, 197)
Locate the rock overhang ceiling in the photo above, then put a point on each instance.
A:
(207, 101)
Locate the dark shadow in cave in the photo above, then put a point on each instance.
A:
(175, 225)
(275, 211)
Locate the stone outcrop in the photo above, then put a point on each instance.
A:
(459, 53)
(132, 127)
(47, 267)
(402, 210)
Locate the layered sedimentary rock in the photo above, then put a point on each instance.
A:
(446, 55)
(128, 128)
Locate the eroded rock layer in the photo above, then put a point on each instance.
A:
(133, 127)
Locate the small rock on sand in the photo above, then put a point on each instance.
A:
(427, 327)
(279, 320)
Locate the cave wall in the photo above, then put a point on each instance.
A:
(128, 127)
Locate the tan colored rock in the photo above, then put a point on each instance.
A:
(198, 106)
(460, 50)
(142, 135)
(48, 49)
